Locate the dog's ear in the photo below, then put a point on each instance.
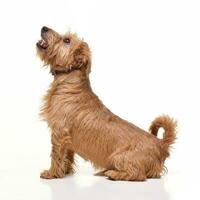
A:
(81, 58)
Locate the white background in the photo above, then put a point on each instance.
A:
(145, 63)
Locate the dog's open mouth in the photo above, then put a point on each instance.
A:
(42, 44)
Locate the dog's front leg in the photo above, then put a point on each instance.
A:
(69, 161)
(68, 151)
(61, 146)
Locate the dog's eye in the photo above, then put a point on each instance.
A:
(66, 40)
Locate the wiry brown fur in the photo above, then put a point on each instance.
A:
(81, 124)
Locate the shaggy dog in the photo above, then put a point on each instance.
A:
(81, 124)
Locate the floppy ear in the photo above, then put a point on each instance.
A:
(81, 58)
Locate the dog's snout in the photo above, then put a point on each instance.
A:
(44, 29)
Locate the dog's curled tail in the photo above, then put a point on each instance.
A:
(169, 125)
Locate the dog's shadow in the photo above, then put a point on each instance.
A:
(86, 186)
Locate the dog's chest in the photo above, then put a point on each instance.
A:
(58, 111)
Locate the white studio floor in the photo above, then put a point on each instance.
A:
(25, 150)
(22, 182)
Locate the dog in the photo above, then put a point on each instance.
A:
(81, 124)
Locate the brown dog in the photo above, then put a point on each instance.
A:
(81, 124)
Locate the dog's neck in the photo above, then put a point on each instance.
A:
(63, 70)
(73, 79)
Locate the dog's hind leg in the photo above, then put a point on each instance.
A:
(127, 165)
(101, 173)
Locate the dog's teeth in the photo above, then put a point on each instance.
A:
(42, 43)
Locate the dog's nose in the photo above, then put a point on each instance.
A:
(44, 29)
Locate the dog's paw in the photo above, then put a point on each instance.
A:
(117, 175)
(46, 175)
(110, 174)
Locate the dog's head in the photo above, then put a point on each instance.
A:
(63, 53)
